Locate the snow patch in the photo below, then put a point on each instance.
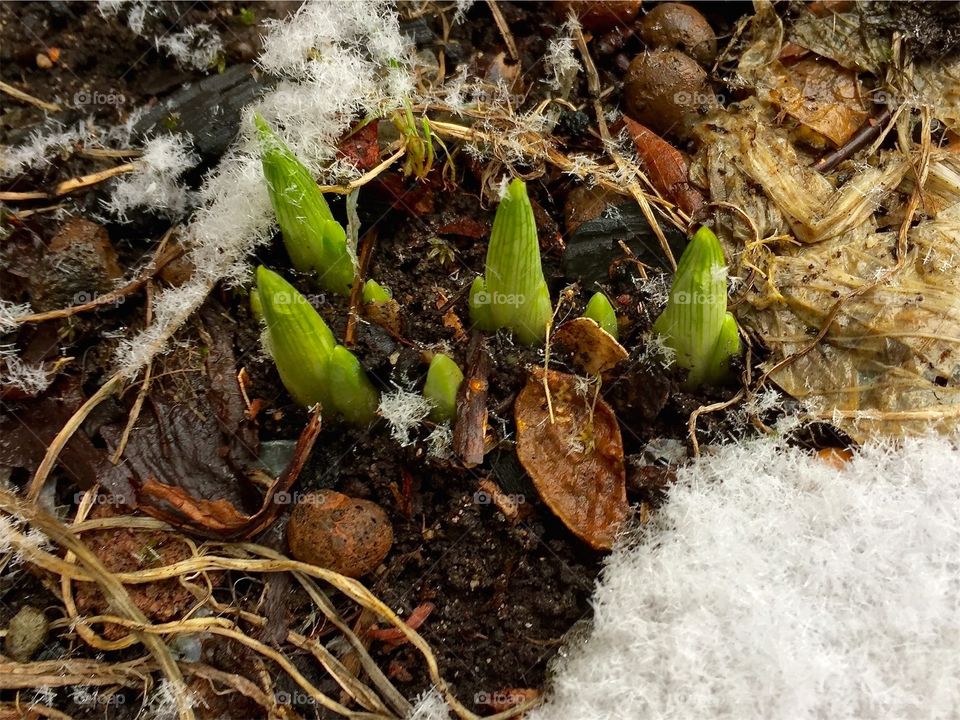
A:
(771, 585)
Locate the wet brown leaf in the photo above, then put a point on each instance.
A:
(823, 96)
(385, 314)
(576, 461)
(594, 349)
(666, 167)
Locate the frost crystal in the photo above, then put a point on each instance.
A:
(155, 184)
(404, 411)
(198, 46)
(772, 586)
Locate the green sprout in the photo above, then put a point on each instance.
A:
(512, 292)
(375, 292)
(312, 366)
(600, 310)
(695, 323)
(443, 383)
(314, 241)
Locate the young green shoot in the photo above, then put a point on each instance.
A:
(314, 240)
(695, 323)
(512, 292)
(375, 292)
(443, 383)
(312, 366)
(600, 310)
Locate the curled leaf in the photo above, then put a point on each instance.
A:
(575, 459)
(594, 349)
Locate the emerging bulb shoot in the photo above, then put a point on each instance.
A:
(695, 323)
(314, 241)
(512, 293)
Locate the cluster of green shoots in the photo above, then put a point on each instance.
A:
(312, 365)
(512, 294)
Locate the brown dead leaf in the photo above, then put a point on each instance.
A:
(594, 349)
(576, 461)
(822, 96)
(385, 314)
(666, 167)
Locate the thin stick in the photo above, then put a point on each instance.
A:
(367, 177)
(504, 29)
(356, 292)
(11, 196)
(21, 95)
(703, 410)
(160, 260)
(78, 183)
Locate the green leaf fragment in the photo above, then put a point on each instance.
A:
(375, 292)
(443, 383)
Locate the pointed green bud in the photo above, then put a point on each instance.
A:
(727, 348)
(443, 383)
(375, 292)
(600, 310)
(300, 340)
(695, 323)
(353, 394)
(513, 290)
(256, 304)
(314, 241)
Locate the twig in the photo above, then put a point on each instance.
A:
(160, 260)
(469, 432)
(703, 410)
(12, 196)
(366, 177)
(356, 292)
(78, 183)
(66, 432)
(867, 133)
(107, 153)
(504, 29)
(21, 95)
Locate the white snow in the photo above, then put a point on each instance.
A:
(404, 412)
(197, 46)
(155, 183)
(773, 586)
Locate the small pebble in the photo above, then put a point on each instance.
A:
(26, 633)
(333, 531)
